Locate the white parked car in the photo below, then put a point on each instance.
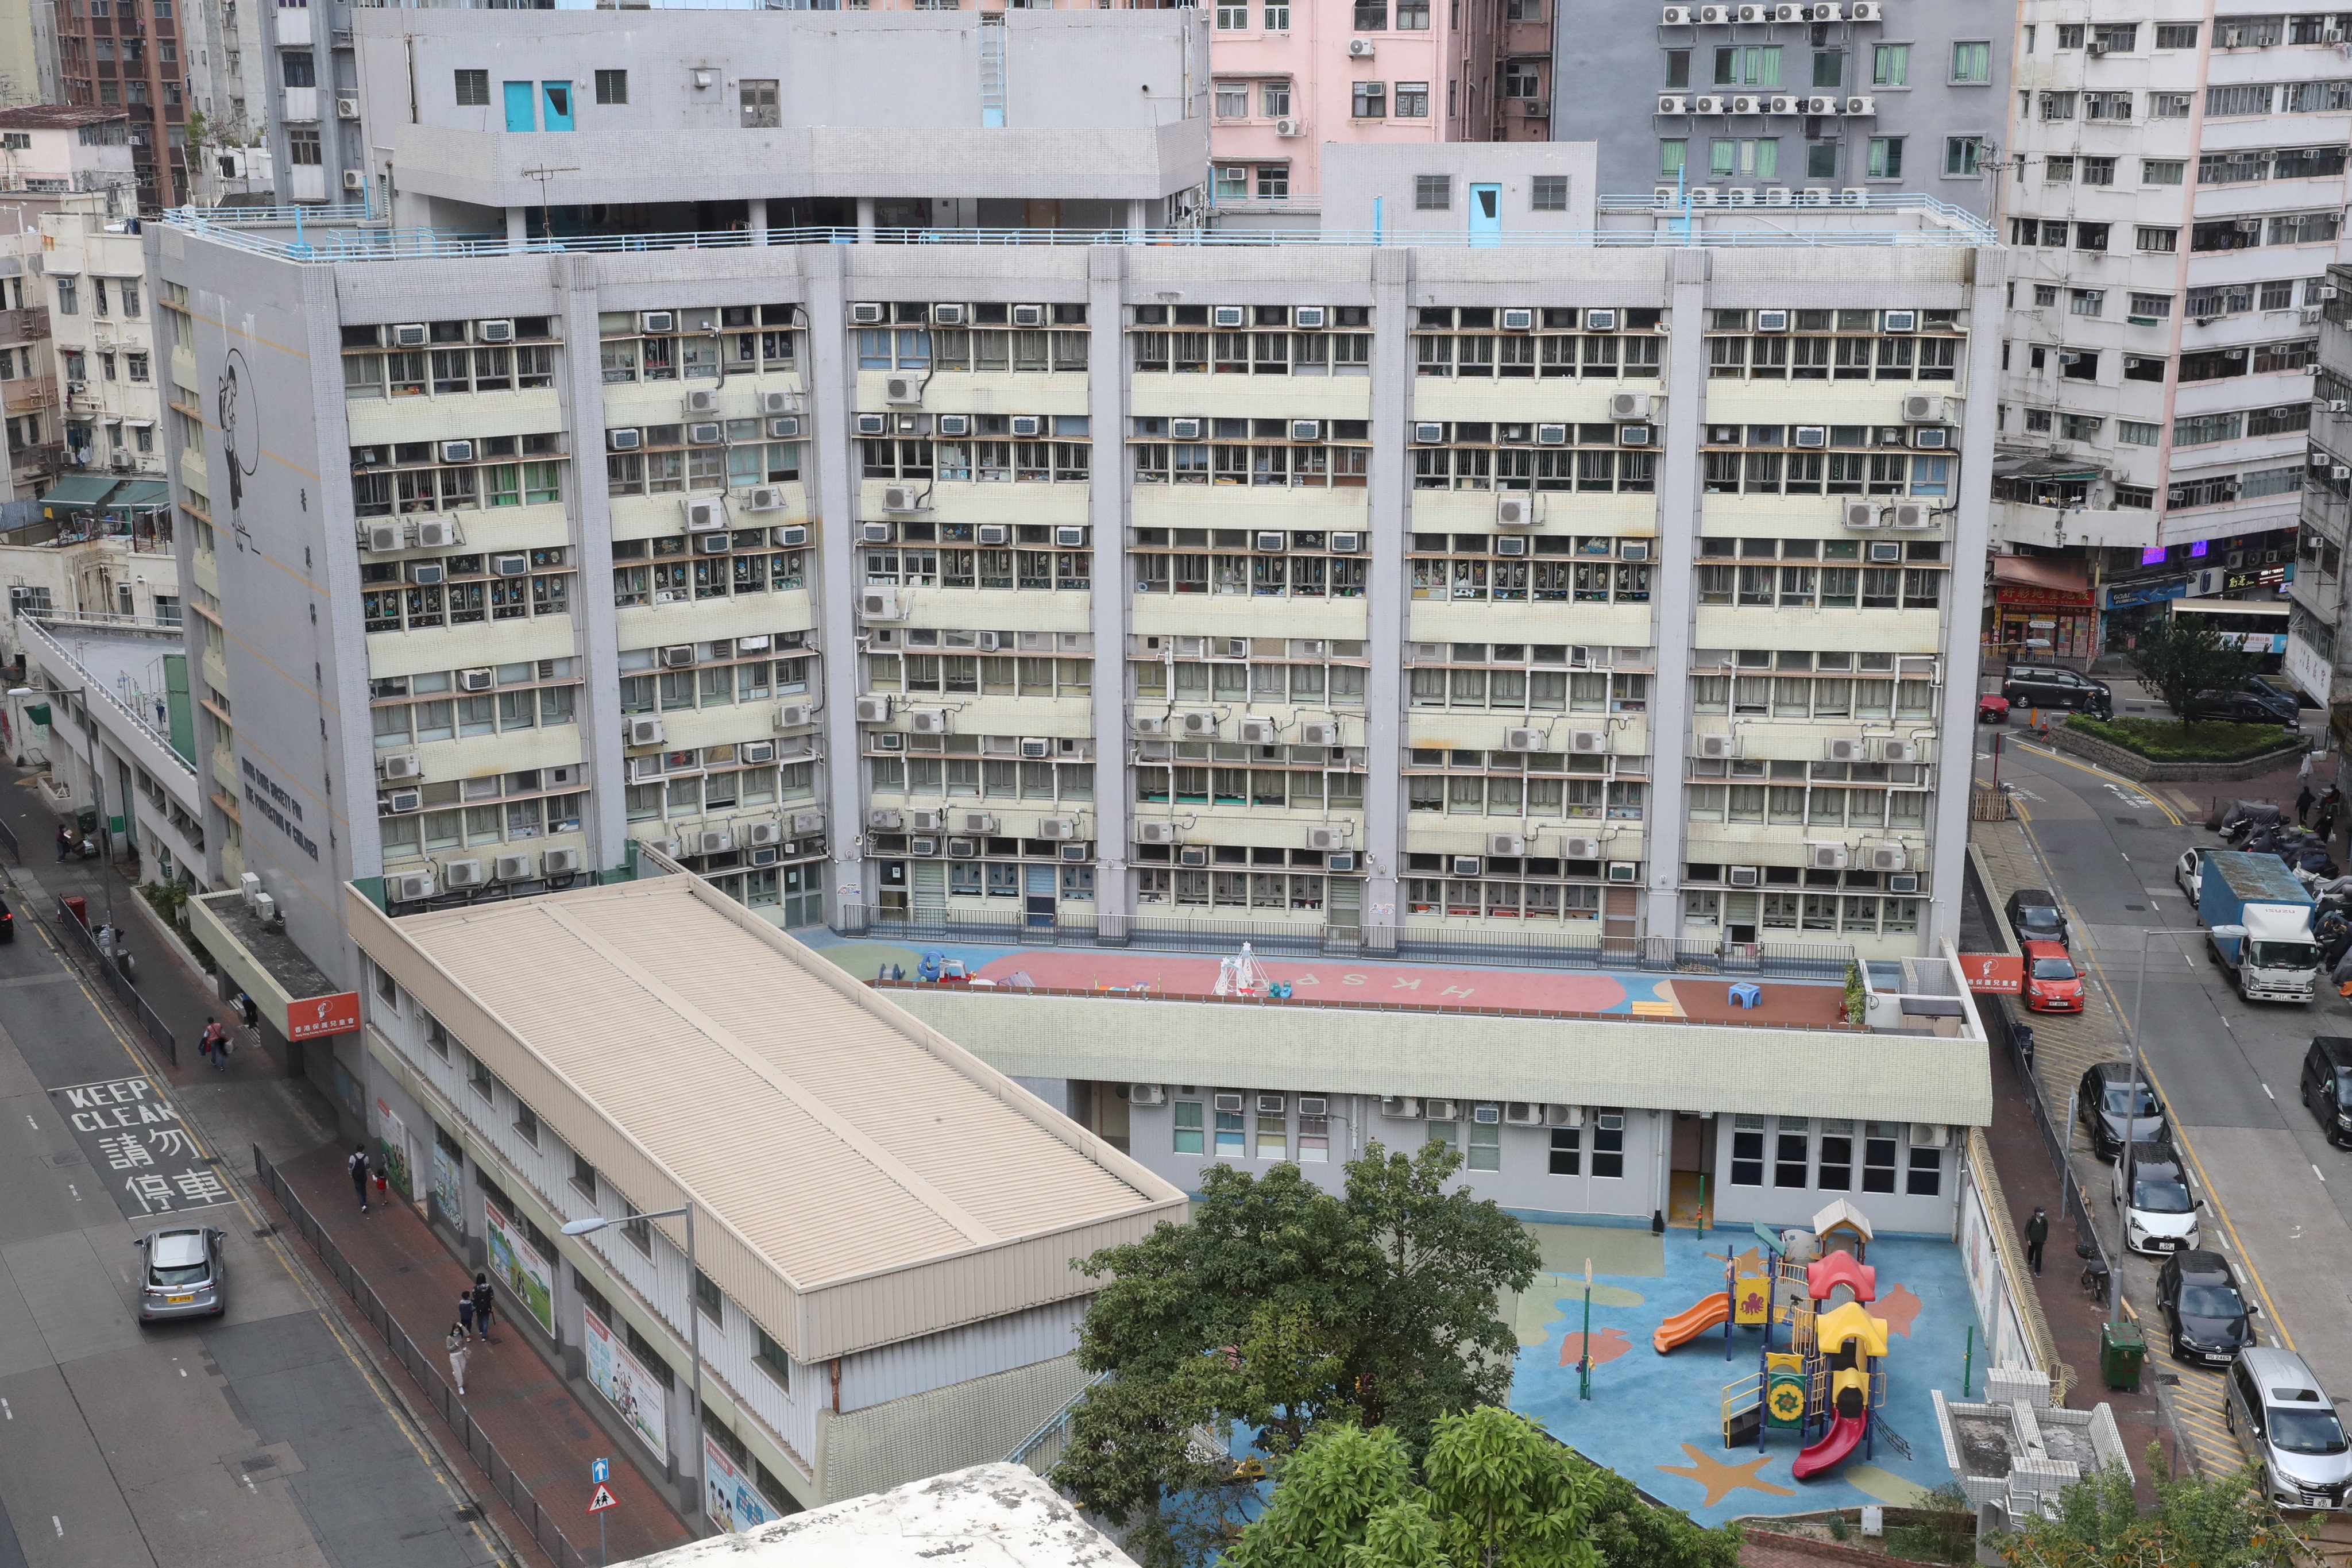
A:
(2160, 1216)
(2190, 874)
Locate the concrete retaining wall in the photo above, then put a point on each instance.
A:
(2132, 765)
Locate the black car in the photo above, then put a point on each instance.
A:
(2047, 686)
(2243, 708)
(2270, 688)
(7, 922)
(2197, 1294)
(2105, 1106)
(2034, 916)
(2328, 1086)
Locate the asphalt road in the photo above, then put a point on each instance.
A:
(258, 1440)
(2280, 1196)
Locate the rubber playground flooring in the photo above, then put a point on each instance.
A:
(1385, 983)
(1657, 1419)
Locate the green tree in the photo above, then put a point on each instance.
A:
(2180, 656)
(1280, 1306)
(1492, 1491)
(2224, 1523)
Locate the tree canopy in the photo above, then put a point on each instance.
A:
(2179, 655)
(1492, 1491)
(1279, 1307)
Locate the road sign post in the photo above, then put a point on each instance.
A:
(602, 1499)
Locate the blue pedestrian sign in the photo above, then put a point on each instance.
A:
(601, 1471)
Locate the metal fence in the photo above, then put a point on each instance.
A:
(75, 937)
(423, 1370)
(1792, 961)
(2011, 1036)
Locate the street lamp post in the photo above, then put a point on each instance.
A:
(2131, 1114)
(693, 1328)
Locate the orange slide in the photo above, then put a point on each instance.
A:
(1688, 1324)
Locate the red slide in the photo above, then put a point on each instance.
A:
(1691, 1322)
(1845, 1434)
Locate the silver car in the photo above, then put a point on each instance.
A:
(2289, 1427)
(185, 1273)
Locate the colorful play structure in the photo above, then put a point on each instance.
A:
(1828, 1374)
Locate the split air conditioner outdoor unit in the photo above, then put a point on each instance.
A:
(645, 730)
(902, 389)
(435, 533)
(1624, 406)
(462, 873)
(771, 403)
(1887, 857)
(1523, 740)
(873, 710)
(1319, 733)
(1197, 725)
(1826, 857)
(927, 720)
(383, 537)
(399, 767)
(1898, 751)
(1581, 849)
(1261, 732)
(1361, 48)
(1515, 509)
(1289, 127)
(409, 887)
(1588, 742)
(565, 862)
(880, 605)
(1673, 103)
(1509, 844)
(1155, 832)
(1715, 747)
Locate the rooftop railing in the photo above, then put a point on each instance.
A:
(1931, 223)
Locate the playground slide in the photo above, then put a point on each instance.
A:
(1688, 1325)
(1844, 1436)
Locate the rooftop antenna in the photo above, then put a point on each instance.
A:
(546, 220)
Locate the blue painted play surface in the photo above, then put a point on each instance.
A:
(1657, 1419)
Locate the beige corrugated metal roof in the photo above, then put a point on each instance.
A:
(816, 1122)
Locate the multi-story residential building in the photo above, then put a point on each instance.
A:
(2178, 191)
(1292, 76)
(58, 149)
(1775, 98)
(2319, 630)
(1408, 593)
(1524, 80)
(101, 333)
(229, 87)
(309, 114)
(129, 54)
(29, 409)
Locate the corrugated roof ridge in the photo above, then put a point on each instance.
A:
(940, 1203)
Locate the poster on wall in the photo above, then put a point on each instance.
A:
(515, 1265)
(620, 1377)
(392, 1148)
(448, 1185)
(728, 1495)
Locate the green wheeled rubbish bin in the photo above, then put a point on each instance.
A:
(2122, 1349)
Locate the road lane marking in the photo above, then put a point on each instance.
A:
(59, 1525)
(2320, 1173)
(2266, 1090)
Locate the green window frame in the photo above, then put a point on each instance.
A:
(1188, 1127)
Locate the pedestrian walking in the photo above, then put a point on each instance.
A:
(2037, 1231)
(466, 1312)
(2303, 771)
(459, 1354)
(2331, 805)
(65, 843)
(2303, 799)
(484, 1303)
(214, 1044)
(358, 1166)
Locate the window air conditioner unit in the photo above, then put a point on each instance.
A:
(657, 320)
(1462, 866)
(1070, 536)
(1861, 105)
(1932, 439)
(1887, 858)
(1771, 320)
(1155, 833)
(1400, 1106)
(1743, 876)
(426, 573)
(880, 605)
(1898, 751)
(954, 425)
(1926, 1136)
(480, 679)
(462, 873)
(706, 433)
(1028, 315)
(1885, 554)
(1193, 858)
(1673, 102)
(927, 720)
(1588, 742)
(510, 565)
(384, 537)
(877, 533)
(409, 335)
(1675, 16)
(1900, 322)
(1311, 317)
(1518, 321)
(867, 315)
(645, 730)
(1633, 434)
(434, 533)
(1906, 882)
(873, 423)
(902, 390)
(1306, 429)
(1716, 747)
(1429, 433)
(1185, 429)
(1028, 425)
(1826, 857)
(1515, 510)
(1625, 405)
(1812, 438)
(1512, 545)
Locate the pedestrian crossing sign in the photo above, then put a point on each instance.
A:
(602, 1499)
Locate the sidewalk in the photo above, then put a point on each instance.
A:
(517, 1400)
(540, 1425)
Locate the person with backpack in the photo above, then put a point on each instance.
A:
(214, 1044)
(465, 1312)
(358, 1166)
(485, 1301)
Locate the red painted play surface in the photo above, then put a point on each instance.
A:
(1316, 980)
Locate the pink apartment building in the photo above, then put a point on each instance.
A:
(1291, 74)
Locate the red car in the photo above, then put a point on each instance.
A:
(2053, 984)
(1993, 708)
